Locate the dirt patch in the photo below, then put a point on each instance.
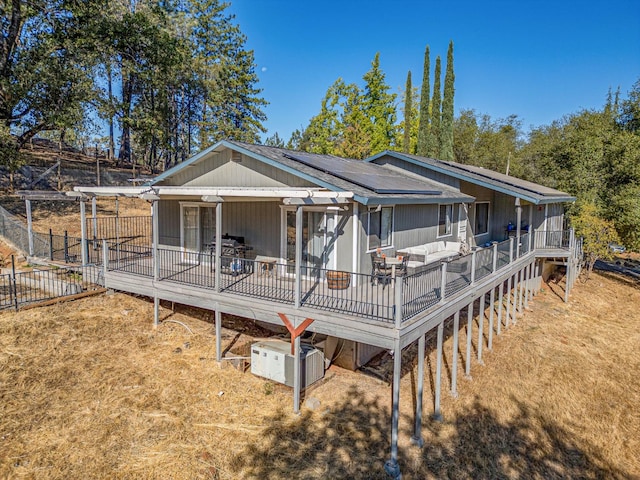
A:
(61, 216)
(91, 390)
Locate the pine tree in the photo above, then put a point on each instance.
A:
(408, 111)
(425, 120)
(379, 108)
(446, 128)
(433, 139)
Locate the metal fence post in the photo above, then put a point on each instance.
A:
(50, 244)
(13, 279)
(66, 247)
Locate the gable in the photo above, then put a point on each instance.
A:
(401, 165)
(219, 169)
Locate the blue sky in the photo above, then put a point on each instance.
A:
(537, 59)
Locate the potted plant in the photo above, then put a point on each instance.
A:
(338, 280)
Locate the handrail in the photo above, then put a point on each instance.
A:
(391, 301)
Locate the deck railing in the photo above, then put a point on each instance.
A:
(20, 288)
(386, 300)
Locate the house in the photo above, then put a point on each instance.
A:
(297, 238)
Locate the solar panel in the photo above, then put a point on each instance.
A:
(367, 175)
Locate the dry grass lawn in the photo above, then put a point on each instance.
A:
(90, 390)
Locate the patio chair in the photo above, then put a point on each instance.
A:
(380, 272)
(401, 270)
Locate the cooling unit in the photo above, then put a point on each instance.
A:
(273, 360)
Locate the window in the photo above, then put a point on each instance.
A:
(481, 222)
(444, 220)
(380, 227)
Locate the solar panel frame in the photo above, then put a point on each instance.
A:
(366, 175)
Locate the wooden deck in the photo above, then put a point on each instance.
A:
(366, 310)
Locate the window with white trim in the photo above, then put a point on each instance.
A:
(445, 213)
(481, 220)
(380, 227)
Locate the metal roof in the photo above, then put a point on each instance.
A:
(532, 192)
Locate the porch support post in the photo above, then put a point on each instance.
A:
(83, 232)
(27, 204)
(416, 438)
(218, 320)
(391, 466)
(500, 307)
(454, 355)
(530, 227)
(94, 221)
(495, 258)
(467, 367)
(437, 414)
(154, 239)
(296, 375)
(473, 267)
(355, 257)
(492, 301)
(481, 328)
(218, 255)
(518, 222)
(156, 262)
(298, 267)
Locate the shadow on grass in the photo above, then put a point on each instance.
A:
(351, 440)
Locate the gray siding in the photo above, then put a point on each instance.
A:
(169, 223)
(258, 222)
(345, 240)
(218, 170)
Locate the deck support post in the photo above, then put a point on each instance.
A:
(416, 438)
(481, 328)
(531, 283)
(83, 232)
(500, 308)
(296, 375)
(467, 367)
(514, 308)
(391, 466)
(27, 204)
(454, 355)
(218, 254)
(508, 306)
(437, 414)
(156, 311)
(298, 267)
(492, 301)
(218, 320)
(523, 279)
